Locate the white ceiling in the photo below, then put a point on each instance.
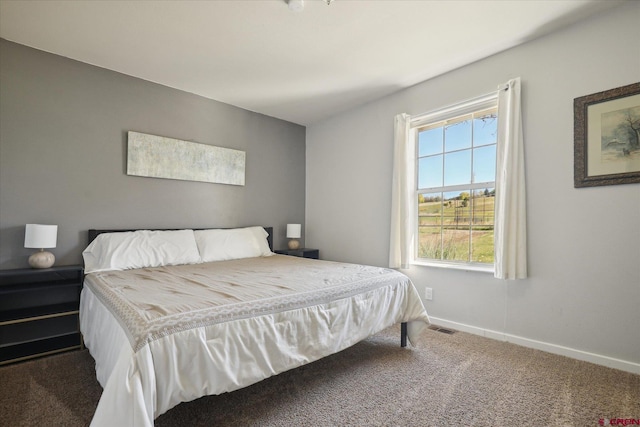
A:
(301, 67)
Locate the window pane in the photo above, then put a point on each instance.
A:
(457, 136)
(457, 167)
(429, 220)
(462, 210)
(485, 130)
(430, 142)
(455, 227)
(482, 249)
(484, 164)
(455, 245)
(430, 172)
(456, 210)
(482, 204)
(429, 242)
(482, 245)
(430, 209)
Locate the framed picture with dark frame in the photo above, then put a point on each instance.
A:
(606, 132)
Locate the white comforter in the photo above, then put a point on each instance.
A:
(161, 336)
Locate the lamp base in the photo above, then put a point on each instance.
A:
(42, 259)
(294, 244)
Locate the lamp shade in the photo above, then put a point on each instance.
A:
(40, 236)
(293, 231)
(296, 5)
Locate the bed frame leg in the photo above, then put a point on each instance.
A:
(403, 334)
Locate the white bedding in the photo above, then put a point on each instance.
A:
(146, 373)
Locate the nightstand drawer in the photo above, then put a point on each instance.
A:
(30, 301)
(36, 328)
(41, 347)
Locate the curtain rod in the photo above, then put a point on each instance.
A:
(457, 106)
(460, 105)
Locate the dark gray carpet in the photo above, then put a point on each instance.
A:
(458, 379)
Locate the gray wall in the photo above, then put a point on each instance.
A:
(584, 244)
(63, 128)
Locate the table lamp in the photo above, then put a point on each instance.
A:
(40, 236)
(293, 233)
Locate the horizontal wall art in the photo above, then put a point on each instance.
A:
(159, 157)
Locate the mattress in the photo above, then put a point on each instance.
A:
(165, 335)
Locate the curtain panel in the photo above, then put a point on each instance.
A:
(402, 212)
(510, 235)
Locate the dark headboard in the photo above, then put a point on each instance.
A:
(93, 233)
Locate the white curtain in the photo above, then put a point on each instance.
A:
(510, 210)
(402, 193)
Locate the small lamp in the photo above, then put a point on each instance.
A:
(293, 233)
(41, 237)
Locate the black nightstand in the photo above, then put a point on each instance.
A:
(302, 252)
(39, 312)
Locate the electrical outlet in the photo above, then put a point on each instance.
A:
(428, 294)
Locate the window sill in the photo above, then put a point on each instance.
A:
(483, 268)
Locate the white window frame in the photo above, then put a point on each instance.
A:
(482, 103)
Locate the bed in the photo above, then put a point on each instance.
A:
(173, 315)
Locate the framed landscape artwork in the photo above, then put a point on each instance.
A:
(607, 137)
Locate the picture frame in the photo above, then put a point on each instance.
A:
(607, 137)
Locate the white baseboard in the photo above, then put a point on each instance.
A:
(598, 359)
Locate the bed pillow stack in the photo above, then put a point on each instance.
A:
(148, 248)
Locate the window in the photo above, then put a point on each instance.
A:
(458, 193)
(455, 186)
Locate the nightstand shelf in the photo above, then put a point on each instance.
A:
(39, 312)
(302, 252)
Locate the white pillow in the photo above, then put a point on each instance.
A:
(236, 243)
(139, 249)
(260, 234)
